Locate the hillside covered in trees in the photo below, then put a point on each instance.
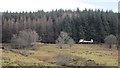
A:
(87, 24)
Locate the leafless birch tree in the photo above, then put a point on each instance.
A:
(24, 39)
(110, 40)
(64, 38)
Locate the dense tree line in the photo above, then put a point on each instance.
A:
(87, 24)
(91, 24)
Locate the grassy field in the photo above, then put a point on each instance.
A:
(51, 55)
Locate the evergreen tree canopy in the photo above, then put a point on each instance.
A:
(78, 24)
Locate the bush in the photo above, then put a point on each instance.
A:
(90, 63)
(70, 60)
(63, 60)
(24, 39)
(110, 40)
(64, 38)
(34, 47)
(25, 54)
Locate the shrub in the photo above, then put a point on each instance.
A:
(110, 40)
(64, 38)
(25, 54)
(63, 60)
(24, 39)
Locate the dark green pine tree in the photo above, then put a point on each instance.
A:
(66, 25)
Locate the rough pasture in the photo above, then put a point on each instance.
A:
(51, 55)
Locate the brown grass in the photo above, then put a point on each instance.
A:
(46, 54)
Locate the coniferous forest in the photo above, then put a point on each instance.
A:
(87, 24)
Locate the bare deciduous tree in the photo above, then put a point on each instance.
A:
(24, 39)
(64, 38)
(110, 40)
(18, 42)
(71, 42)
